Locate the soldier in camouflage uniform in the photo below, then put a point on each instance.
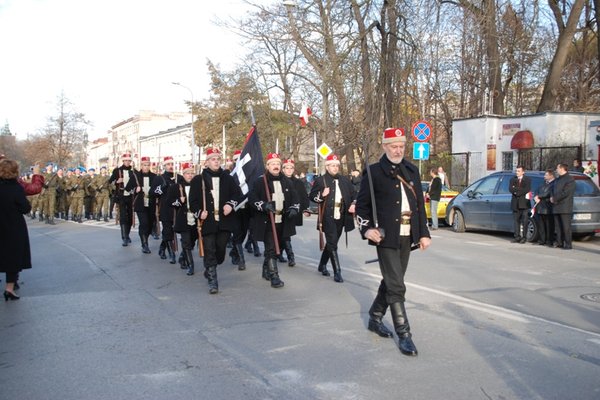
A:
(89, 201)
(61, 195)
(77, 188)
(100, 185)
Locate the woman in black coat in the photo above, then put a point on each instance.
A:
(14, 237)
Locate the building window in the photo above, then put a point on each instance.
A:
(507, 160)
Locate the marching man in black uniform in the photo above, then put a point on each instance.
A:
(160, 188)
(178, 197)
(143, 200)
(214, 195)
(288, 170)
(121, 177)
(394, 223)
(273, 197)
(335, 196)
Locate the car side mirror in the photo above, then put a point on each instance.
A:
(470, 194)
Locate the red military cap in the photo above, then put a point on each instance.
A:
(393, 135)
(273, 157)
(168, 159)
(288, 161)
(213, 152)
(145, 159)
(126, 157)
(186, 166)
(332, 159)
(236, 154)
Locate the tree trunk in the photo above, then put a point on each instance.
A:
(565, 39)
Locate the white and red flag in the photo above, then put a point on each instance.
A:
(305, 113)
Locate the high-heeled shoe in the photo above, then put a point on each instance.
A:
(9, 295)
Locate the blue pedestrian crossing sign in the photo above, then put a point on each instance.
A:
(420, 151)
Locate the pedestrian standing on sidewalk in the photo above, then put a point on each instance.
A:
(562, 206)
(400, 222)
(435, 194)
(520, 186)
(14, 237)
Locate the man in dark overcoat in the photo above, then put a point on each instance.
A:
(143, 201)
(399, 224)
(543, 209)
(520, 186)
(562, 206)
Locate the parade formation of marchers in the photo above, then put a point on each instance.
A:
(218, 208)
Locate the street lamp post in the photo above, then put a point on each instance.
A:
(192, 112)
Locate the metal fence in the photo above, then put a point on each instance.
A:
(542, 158)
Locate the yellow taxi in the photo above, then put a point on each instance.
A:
(447, 195)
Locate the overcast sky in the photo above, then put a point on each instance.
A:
(110, 57)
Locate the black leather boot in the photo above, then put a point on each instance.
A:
(213, 283)
(124, 236)
(402, 328)
(323, 263)
(242, 263)
(190, 262)
(106, 218)
(127, 230)
(281, 258)
(265, 270)
(235, 257)
(161, 250)
(144, 239)
(248, 246)
(171, 253)
(274, 273)
(41, 218)
(183, 261)
(33, 215)
(256, 248)
(51, 220)
(335, 264)
(376, 314)
(290, 253)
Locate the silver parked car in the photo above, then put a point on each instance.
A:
(485, 205)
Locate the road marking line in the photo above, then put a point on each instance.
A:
(480, 243)
(597, 341)
(500, 310)
(493, 312)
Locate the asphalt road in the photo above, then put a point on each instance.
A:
(491, 320)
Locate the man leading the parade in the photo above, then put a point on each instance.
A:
(121, 177)
(394, 222)
(335, 195)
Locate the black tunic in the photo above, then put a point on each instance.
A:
(300, 189)
(229, 193)
(388, 198)
(348, 197)
(160, 188)
(138, 198)
(257, 197)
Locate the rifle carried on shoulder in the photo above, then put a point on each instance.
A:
(200, 221)
(271, 216)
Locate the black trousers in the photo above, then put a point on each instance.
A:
(333, 234)
(189, 237)
(167, 231)
(393, 264)
(563, 229)
(270, 241)
(215, 246)
(520, 220)
(145, 221)
(242, 223)
(546, 228)
(126, 211)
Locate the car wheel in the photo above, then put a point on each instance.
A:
(533, 232)
(458, 222)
